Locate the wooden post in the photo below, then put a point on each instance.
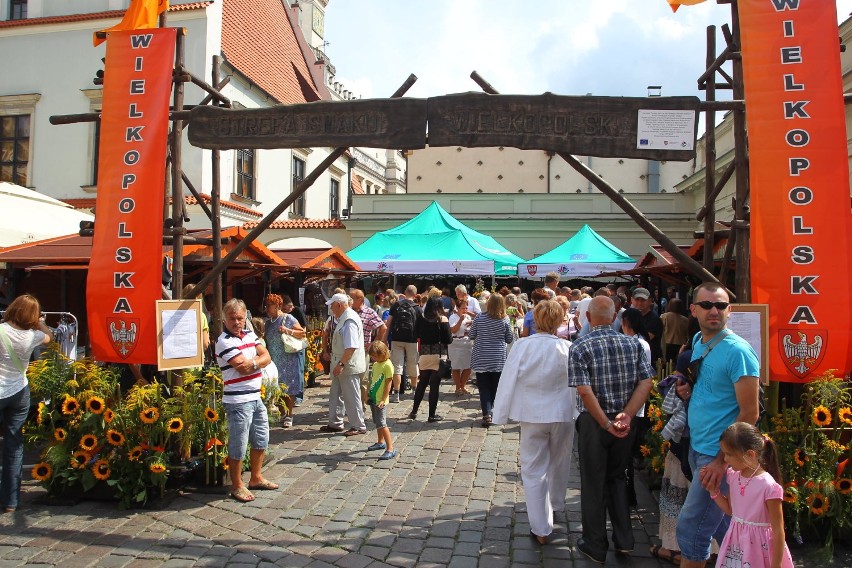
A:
(177, 186)
(689, 265)
(740, 225)
(284, 205)
(216, 224)
(710, 155)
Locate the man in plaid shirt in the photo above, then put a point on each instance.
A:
(374, 330)
(613, 379)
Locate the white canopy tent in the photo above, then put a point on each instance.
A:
(32, 216)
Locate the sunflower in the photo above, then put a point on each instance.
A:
(843, 485)
(658, 425)
(845, 415)
(40, 413)
(149, 415)
(157, 467)
(88, 442)
(70, 405)
(262, 391)
(79, 459)
(101, 470)
(211, 415)
(791, 494)
(821, 416)
(95, 405)
(60, 434)
(818, 504)
(646, 451)
(800, 457)
(175, 425)
(115, 437)
(135, 454)
(42, 471)
(109, 416)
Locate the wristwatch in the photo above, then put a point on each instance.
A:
(254, 362)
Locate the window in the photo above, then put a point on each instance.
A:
(245, 173)
(14, 148)
(298, 176)
(334, 198)
(18, 10)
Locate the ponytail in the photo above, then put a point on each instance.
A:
(769, 459)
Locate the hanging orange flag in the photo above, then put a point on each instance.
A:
(140, 15)
(675, 4)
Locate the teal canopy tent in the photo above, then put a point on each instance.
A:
(585, 254)
(434, 242)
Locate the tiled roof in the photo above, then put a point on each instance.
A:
(89, 203)
(357, 188)
(301, 224)
(259, 40)
(92, 16)
(190, 200)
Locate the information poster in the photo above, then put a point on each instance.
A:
(665, 130)
(179, 341)
(751, 322)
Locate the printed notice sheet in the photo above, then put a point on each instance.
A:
(747, 325)
(665, 130)
(180, 334)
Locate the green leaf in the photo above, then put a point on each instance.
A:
(141, 496)
(88, 480)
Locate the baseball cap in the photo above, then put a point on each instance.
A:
(342, 298)
(683, 361)
(641, 293)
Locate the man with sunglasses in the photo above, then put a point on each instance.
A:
(726, 390)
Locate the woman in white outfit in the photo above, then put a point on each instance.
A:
(460, 349)
(534, 391)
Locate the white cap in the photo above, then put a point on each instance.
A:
(342, 298)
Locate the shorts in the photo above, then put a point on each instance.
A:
(379, 416)
(247, 422)
(402, 351)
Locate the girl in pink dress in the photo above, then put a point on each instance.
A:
(755, 537)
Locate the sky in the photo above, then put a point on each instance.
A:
(567, 47)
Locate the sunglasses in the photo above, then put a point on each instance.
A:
(710, 305)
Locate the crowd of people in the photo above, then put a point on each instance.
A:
(563, 363)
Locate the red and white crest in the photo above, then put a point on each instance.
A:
(802, 351)
(532, 269)
(123, 334)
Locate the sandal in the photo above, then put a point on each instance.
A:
(328, 428)
(354, 432)
(242, 494)
(264, 485)
(672, 556)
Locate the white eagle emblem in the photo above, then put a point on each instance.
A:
(802, 356)
(123, 338)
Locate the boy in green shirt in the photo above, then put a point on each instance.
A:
(381, 379)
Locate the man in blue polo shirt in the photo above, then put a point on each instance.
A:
(726, 391)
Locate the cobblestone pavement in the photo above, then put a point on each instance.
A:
(453, 498)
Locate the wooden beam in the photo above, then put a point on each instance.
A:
(726, 176)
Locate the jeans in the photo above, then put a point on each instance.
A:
(13, 414)
(700, 519)
(247, 422)
(432, 379)
(486, 382)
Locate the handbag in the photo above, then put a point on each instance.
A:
(293, 345)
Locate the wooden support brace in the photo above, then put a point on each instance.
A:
(726, 175)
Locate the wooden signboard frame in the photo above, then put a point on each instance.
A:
(761, 311)
(164, 364)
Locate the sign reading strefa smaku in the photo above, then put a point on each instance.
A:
(799, 176)
(124, 280)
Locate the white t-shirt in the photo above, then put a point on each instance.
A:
(473, 305)
(582, 308)
(23, 341)
(464, 328)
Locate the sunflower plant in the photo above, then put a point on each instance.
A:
(813, 444)
(313, 363)
(91, 432)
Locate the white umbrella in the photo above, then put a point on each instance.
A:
(32, 216)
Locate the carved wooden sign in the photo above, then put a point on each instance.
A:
(657, 128)
(376, 123)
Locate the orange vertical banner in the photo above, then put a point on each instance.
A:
(799, 177)
(124, 280)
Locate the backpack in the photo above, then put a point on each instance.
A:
(404, 319)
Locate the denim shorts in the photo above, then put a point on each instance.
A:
(247, 422)
(700, 518)
(379, 416)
